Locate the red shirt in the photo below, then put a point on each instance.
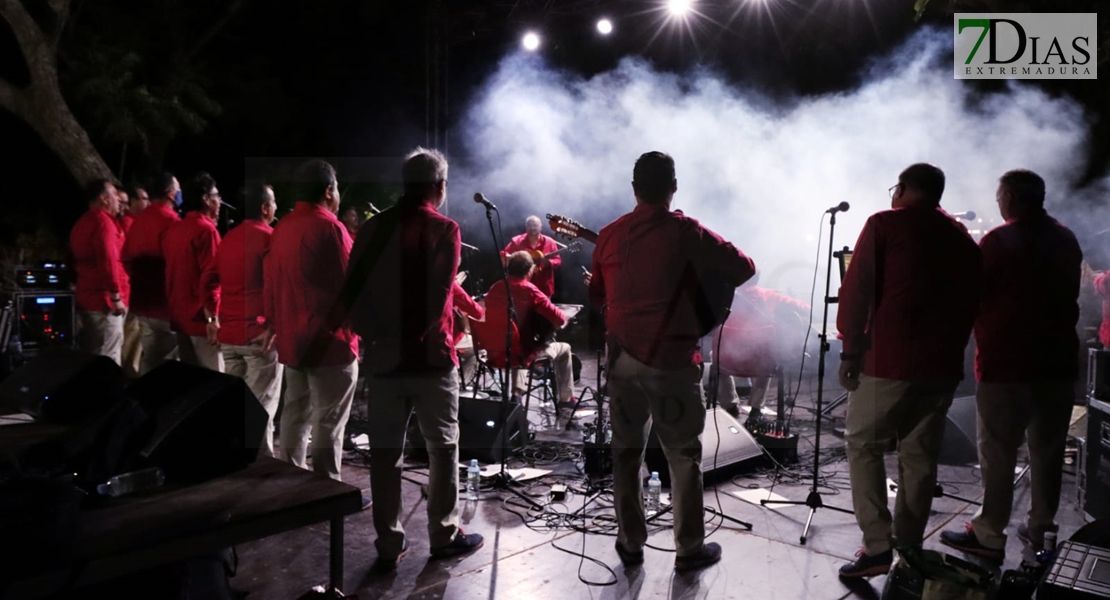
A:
(125, 220)
(1026, 325)
(96, 242)
(462, 302)
(544, 277)
(232, 283)
(189, 246)
(761, 326)
(303, 274)
(142, 255)
(908, 300)
(530, 303)
(647, 267)
(1102, 286)
(398, 292)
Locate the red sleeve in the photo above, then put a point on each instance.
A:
(857, 292)
(557, 260)
(108, 255)
(992, 261)
(268, 289)
(1101, 281)
(723, 257)
(545, 308)
(466, 305)
(206, 248)
(210, 286)
(445, 265)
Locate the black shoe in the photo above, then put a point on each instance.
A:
(628, 558)
(709, 554)
(965, 541)
(463, 543)
(385, 565)
(733, 410)
(867, 566)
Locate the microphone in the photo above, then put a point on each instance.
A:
(228, 206)
(967, 215)
(468, 246)
(480, 199)
(373, 209)
(842, 207)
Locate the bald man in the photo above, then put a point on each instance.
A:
(540, 248)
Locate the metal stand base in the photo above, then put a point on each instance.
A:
(813, 501)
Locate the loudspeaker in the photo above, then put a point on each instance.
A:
(481, 435)
(203, 423)
(736, 446)
(62, 385)
(959, 445)
(1096, 501)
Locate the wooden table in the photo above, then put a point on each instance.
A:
(132, 534)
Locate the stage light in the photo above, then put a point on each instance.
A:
(605, 27)
(530, 41)
(679, 8)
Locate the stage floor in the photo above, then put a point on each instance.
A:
(543, 558)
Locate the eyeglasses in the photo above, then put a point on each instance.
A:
(893, 189)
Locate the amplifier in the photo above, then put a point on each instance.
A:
(44, 319)
(1098, 374)
(1096, 500)
(48, 276)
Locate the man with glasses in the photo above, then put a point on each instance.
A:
(189, 247)
(907, 305)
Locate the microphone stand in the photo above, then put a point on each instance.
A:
(814, 500)
(502, 480)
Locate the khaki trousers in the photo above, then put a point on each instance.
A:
(1009, 412)
(727, 396)
(262, 372)
(672, 400)
(317, 399)
(159, 343)
(195, 350)
(563, 365)
(881, 412)
(435, 400)
(101, 334)
(132, 351)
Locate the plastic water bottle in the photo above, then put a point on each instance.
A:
(654, 488)
(473, 480)
(1048, 554)
(135, 481)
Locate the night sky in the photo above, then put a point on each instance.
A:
(346, 78)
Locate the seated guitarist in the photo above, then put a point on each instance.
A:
(534, 313)
(538, 246)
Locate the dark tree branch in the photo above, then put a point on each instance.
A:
(203, 39)
(61, 10)
(11, 97)
(32, 42)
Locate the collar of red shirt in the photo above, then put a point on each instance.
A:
(163, 207)
(196, 215)
(650, 209)
(313, 208)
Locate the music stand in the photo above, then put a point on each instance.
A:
(844, 258)
(814, 500)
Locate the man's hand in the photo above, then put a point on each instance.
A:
(587, 276)
(118, 307)
(849, 373)
(265, 342)
(210, 332)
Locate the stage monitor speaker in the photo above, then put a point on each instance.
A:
(481, 434)
(1096, 501)
(959, 445)
(736, 446)
(204, 423)
(62, 385)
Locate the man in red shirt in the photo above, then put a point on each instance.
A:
(538, 246)
(189, 247)
(398, 297)
(132, 353)
(1026, 348)
(102, 285)
(146, 265)
(233, 285)
(764, 329)
(907, 304)
(650, 268)
(532, 305)
(303, 274)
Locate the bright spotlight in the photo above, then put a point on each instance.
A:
(530, 41)
(605, 27)
(679, 8)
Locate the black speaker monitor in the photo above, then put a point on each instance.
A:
(62, 385)
(204, 423)
(959, 445)
(481, 435)
(736, 446)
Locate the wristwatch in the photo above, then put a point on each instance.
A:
(213, 319)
